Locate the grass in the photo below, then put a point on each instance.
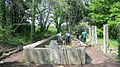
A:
(112, 43)
(51, 31)
(19, 40)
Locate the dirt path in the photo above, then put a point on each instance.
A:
(95, 56)
(13, 58)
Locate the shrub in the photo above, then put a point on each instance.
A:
(99, 32)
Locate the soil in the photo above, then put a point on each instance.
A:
(95, 56)
(5, 46)
(17, 57)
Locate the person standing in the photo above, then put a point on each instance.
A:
(67, 38)
(77, 35)
(84, 36)
(58, 37)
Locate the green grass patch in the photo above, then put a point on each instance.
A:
(19, 40)
(100, 40)
(112, 43)
(51, 31)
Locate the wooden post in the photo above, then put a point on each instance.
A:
(94, 35)
(90, 32)
(92, 42)
(96, 40)
(105, 40)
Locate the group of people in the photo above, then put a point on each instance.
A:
(60, 37)
(67, 38)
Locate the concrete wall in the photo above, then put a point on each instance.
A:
(55, 56)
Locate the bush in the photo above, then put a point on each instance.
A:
(19, 40)
(5, 34)
(100, 32)
(112, 31)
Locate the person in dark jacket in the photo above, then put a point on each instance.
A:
(77, 35)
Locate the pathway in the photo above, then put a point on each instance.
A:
(14, 57)
(95, 56)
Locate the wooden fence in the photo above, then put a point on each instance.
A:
(94, 39)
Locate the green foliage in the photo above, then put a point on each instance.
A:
(118, 38)
(112, 31)
(100, 32)
(105, 12)
(70, 12)
(5, 34)
(100, 40)
(1, 35)
(112, 43)
(58, 15)
(40, 35)
(51, 31)
(19, 40)
(80, 27)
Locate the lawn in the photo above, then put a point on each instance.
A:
(112, 43)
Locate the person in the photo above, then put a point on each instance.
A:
(67, 38)
(84, 36)
(77, 35)
(58, 37)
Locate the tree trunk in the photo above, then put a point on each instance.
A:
(33, 21)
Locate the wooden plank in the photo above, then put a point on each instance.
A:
(36, 43)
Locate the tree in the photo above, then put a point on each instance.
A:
(33, 20)
(32, 6)
(105, 12)
(78, 10)
(44, 11)
(73, 11)
(58, 15)
(2, 13)
(12, 18)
